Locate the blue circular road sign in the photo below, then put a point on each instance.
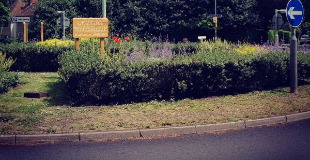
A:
(294, 12)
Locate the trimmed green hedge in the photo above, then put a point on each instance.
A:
(282, 35)
(92, 81)
(7, 81)
(30, 57)
(33, 58)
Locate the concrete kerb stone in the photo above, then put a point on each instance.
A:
(298, 116)
(171, 131)
(71, 137)
(265, 121)
(219, 127)
(7, 139)
(113, 135)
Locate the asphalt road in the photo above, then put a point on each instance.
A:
(283, 142)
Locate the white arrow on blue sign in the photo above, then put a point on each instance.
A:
(294, 12)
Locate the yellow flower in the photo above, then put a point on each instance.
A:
(56, 42)
(248, 49)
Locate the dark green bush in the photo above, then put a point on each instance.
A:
(8, 40)
(93, 81)
(271, 36)
(283, 35)
(303, 66)
(33, 58)
(7, 81)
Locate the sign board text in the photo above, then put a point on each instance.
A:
(21, 19)
(90, 27)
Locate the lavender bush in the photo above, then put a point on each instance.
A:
(157, 49)
(149, 51)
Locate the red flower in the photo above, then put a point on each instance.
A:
(116, 40)
(126, 38)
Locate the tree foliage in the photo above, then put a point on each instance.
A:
(46, 12)
(173, 18)
(4, 14)
(306, 19)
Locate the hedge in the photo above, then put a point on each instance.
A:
(282, 35)
(7, 81)
(33, 58)
(92, 81)
(30, 57)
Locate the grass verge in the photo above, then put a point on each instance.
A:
(19, 115)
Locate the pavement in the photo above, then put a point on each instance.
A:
(150, 133)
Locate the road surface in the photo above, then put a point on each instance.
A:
(283, 142)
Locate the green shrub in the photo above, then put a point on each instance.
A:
(283, 35)
(303, 66)
(7, 81)
(186, 48)
(92, 80)
(216, 45)
(271, 36)
(8, 40)
(33, 58)
(5, 64)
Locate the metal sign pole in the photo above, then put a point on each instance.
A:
(293, 61)
(104, 8)
(276, 37)
(63, 26)
(215, 28)
(294, 15)
(104, 15)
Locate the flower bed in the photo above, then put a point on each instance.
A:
(209, 71)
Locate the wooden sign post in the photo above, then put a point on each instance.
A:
(25, 32)
(90, 28)
(42, 38)
(77, 44)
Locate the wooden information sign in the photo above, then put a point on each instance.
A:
(90, 28)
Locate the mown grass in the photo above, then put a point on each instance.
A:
(19, 115)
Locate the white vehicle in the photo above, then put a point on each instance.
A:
(305, 39)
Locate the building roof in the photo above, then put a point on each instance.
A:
(22, 9)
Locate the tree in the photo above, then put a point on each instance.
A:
(46, 11)
(4, 16)
(173, 18)
(88, 8)
(176, 18)
(306, 20)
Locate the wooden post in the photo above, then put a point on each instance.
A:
(101, 47)
(77, 44)
(42, 38)
(25, 30)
